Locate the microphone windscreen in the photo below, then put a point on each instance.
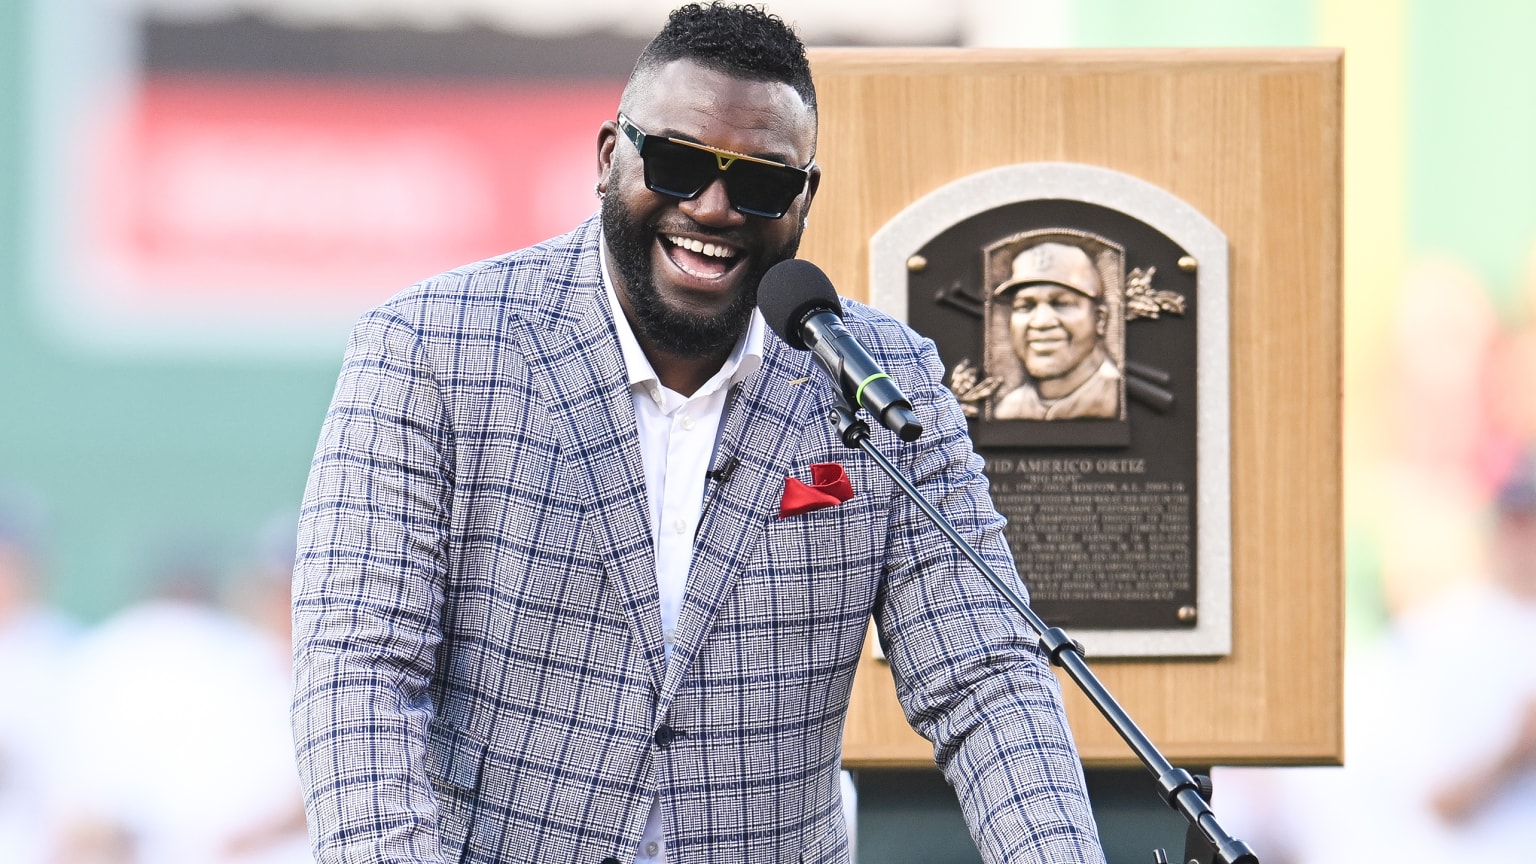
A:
(792, 290)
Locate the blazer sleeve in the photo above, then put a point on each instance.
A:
(368, 597)
(968, 669)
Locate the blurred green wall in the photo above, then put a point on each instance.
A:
(1471, 138)
(1181, 23)
(137, 462)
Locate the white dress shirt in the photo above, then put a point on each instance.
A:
(677, 442)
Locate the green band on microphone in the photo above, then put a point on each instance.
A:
(858, 397)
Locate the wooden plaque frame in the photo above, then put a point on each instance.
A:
(1252, 139)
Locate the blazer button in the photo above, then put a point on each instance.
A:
(666, 735)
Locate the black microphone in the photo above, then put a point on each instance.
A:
(801, 306)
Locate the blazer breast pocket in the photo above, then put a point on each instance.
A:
(455, 759)
(830, 536)
(817, 571)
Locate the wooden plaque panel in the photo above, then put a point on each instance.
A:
(1251, 138)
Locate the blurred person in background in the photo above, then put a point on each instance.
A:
(1440, 722)
(34, 645)
(178, 709)
(275, 832)
(1469, 700)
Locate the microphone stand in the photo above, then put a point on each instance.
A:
(1179, 789)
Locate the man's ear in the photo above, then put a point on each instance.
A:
(607, 139)
(1103, 325)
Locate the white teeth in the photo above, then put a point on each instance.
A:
(691, 272)
(701, 247)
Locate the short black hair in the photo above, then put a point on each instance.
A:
(740, 40)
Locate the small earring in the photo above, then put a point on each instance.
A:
(597, 189)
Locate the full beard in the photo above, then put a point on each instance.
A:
(676, 331)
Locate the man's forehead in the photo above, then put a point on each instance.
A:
(682, 95)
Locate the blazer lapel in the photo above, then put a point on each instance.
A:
(762, 431)
(581, 372)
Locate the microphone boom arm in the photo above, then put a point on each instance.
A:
(1177, 786)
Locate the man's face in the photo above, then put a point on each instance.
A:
(688, 270)
(1054, 329)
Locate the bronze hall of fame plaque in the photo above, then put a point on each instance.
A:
(1081, 315)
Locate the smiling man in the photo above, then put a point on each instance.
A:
(687, 265)
(549, 602)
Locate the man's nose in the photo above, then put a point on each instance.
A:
(1044, 317)
(713, 206)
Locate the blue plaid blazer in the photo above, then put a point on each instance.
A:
(480, 673)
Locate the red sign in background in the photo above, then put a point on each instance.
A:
(252, 200)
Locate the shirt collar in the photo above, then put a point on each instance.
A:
(745, 359)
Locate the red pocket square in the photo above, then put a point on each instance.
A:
(829, 487)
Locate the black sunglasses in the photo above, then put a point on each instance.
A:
(684, 169)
